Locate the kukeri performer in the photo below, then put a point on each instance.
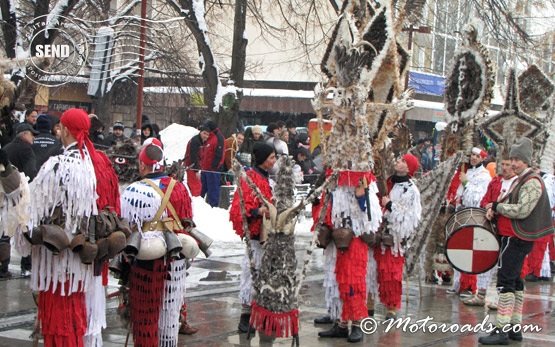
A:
(354, 213)
(156, 206)
(70, 190)
(264, 158)
(498, 188)
(402, 215)
(472, 188)
(14, 215)
(526, 212)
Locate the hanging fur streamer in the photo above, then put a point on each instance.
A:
(432, 187)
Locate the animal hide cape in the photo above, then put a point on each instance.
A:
(274, 310)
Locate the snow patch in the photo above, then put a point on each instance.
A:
(213, 221)
(175, 138)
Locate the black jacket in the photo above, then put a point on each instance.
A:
(22, 157)
(45, 146)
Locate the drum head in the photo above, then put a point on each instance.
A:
(472, 249)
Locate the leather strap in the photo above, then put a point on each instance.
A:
(165, 202)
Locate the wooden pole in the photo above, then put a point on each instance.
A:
(141, 81)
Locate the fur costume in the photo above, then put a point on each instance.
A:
(275, 307)
(156, 287)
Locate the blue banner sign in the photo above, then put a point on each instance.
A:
(424, 83)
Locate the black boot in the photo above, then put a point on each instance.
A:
(335, 331)
(244, 323)
(323, 320)
(355, 335)
(497, 337)
(370, 313)
(515, 335)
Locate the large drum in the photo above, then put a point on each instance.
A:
(471, 245)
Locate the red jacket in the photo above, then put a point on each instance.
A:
(212, 152)
(252, 204)
(503, 224)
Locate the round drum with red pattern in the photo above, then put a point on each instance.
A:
(471, 245)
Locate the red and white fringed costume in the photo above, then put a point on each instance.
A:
(81, 181)
(402, 216)
(346, 271)
(469, 194)
(156, 287)
(67, 180)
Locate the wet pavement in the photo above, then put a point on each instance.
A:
(214, 308)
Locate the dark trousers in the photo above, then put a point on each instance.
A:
(511, 258)
(211, 187)
(26, 263)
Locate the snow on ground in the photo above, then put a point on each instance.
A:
(175, 138)
(213, 221)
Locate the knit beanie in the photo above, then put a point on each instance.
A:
(261, 152)
(43, 123)
(412, 163)
(522, 149)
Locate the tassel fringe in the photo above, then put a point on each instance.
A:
(276, 324)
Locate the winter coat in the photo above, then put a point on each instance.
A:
(252, 203)
(21, 155)
(212, 152)
(192, 153)
(45, 146)
(112, 140)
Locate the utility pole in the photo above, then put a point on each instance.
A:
(141, 81)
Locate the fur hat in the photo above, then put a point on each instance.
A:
(522, 149)
(412, 163)
(261, 152)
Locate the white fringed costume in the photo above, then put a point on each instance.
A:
(470, 195)
(14, 207)
(67, 181)
(156, 287)
(402, 217)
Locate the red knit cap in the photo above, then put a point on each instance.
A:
(412, 163)
(78, 123)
